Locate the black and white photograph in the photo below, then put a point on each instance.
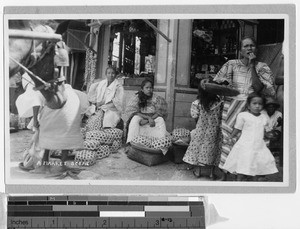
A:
(153, 99)
(176, 99)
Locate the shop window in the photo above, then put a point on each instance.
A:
(213, 43)
(133, 48)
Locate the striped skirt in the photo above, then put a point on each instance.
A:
(232, 108)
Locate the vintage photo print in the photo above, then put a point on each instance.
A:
(190, 100)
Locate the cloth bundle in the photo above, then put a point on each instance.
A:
(181, 135)
(95, 122)
(154, 143)
(101, 143)
(85, 157)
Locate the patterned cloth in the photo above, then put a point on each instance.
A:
(90, 68)
(156, 104)
(239, 77)
(250, 155)
(206, 139)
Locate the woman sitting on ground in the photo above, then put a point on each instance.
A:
(145, 113)
(106, 97)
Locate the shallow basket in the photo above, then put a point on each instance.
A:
(220, 89)
(145, 155)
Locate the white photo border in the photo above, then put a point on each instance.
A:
(276, 11)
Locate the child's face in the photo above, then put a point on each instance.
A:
(256, 105)
(148, 89)
(270, 109)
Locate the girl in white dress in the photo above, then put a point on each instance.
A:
(250, 155)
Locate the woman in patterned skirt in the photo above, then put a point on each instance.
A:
(246, 75)
(205, 146)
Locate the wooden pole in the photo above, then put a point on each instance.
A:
(157, 30)
(31, 73)
(24, 34)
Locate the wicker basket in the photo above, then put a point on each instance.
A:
(146, 156)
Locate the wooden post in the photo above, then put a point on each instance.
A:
(24, 34)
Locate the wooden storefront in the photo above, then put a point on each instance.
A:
(180, 54)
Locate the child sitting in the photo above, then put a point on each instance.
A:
(250, 155)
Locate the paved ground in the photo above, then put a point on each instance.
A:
(115, 167)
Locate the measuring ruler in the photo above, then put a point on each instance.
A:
(64, 212)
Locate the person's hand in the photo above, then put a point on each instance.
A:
(279, 121)
(99, 104)
(143, 122)
(252, 58)
(229, 140)
(36, 124)
(151, 122)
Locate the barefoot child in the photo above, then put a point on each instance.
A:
(250, 155)
(206, 140)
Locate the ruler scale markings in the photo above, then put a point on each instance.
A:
(171, 214)
(167, 208)
(121, 208)
(74, 208)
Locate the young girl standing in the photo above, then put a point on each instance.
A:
(250, 155)
(206, 140)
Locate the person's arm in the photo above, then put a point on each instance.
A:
(119, 98)
(99, 104)
(224, 75)
(147, 119)
(194, 110)
(35, 116)
(235, 132)
(256, 83)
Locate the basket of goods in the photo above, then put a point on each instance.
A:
(102, 142)
(218, 89)
(148, 151)
(180, 143)
(85, 157)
